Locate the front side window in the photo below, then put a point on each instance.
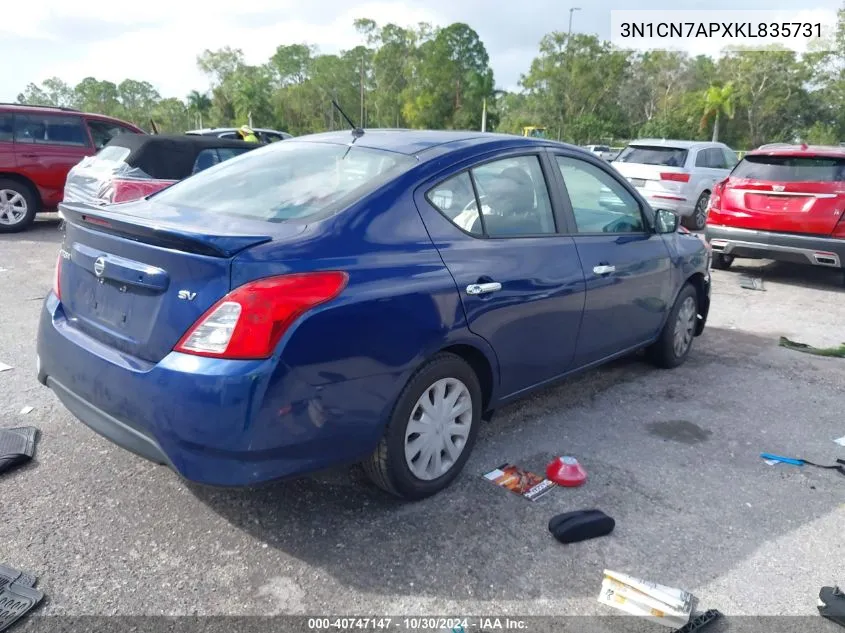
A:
(49, 129)
(287, 181)
(599, 202)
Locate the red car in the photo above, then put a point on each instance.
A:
(784, 203)
(38, 146)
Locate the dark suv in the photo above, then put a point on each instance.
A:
(38, 146)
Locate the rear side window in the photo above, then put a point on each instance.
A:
(791, 169)
(103, 131)
(288, 181)
(653, 155)
(7, 127)
(512, 194)
(50, 130)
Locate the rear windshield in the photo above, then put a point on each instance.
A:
(287, 181)
(791, 169)
(648, 155)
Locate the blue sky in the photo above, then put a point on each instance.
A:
(158, 40)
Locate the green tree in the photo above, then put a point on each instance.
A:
(718, 102)
(200, 104)
(102, 97)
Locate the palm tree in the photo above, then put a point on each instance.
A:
(718, 101)
(199, 103)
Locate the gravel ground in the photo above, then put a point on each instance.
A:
(673, 456)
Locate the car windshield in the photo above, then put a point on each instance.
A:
(287, 181)
(791, 169)
(650, 155)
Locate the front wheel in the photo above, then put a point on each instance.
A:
(672, 347)
(431, 431)
(17, 206)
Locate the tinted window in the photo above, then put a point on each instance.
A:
(455, 199)
(103, 131)
(50, 129)
(730, 158)
(648, 155)
(7, 128)
(791, 169)
(514, 199)
(702, 159)
(599, 202)
(205, 159)
(286, 181)
(225, 153)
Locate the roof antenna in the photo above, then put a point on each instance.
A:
(357, 132)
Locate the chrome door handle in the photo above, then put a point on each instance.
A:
(480, 289)
(604, 270)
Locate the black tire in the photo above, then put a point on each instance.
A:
(387, 466)
(722, 261)
(698, 220)
(9, 189)
(663, 352)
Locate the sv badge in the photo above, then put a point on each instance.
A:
(187, 295)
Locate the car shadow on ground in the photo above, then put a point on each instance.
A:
(661, 452)
(804, 276)
(46, 228)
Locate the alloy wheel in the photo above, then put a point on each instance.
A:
(13, 207)
(684, 326)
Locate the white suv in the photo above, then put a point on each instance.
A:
(676, 175)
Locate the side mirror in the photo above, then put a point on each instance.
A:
(666, 221)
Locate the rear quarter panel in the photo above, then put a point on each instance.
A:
(400, 307)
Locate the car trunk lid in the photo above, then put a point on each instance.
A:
(786, 194)
(654, 170)
(137, 276)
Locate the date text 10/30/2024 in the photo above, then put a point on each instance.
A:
(436, 625)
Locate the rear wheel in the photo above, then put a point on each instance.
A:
(698, 220)
(18, 206)
(431, 431)
(672, 347)
(722, 262)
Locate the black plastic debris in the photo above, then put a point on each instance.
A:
(18, 595)
(580, 525)
(700, 621)
(17, 446)
(832, 604)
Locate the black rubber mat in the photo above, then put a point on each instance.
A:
(17, 595)
(17, 446)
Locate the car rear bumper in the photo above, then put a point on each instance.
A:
(215, 422)
(680, 206)
(788, 247)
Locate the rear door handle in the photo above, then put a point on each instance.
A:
(481, 289)
(604, 269)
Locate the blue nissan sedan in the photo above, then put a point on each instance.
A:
(358, 297)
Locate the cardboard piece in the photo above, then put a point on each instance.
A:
(520, 481)
(657, 603)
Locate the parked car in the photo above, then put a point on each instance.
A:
(602, 151)
(264, 135)
(783, 203)
(316, 302)
(38, 146)
(677, 175)
(133, 166)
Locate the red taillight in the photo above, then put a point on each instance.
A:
(716, 196)
(676, 177)
(839, 230)
(57, 284)
(125, 190)
(249, 321)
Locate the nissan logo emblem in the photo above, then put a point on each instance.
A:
(100, 266)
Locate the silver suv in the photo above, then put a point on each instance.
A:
(676, 175)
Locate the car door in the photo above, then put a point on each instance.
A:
(710, 167)
(7, 142)
(520, 281)
(626, 264)
(46, 147)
